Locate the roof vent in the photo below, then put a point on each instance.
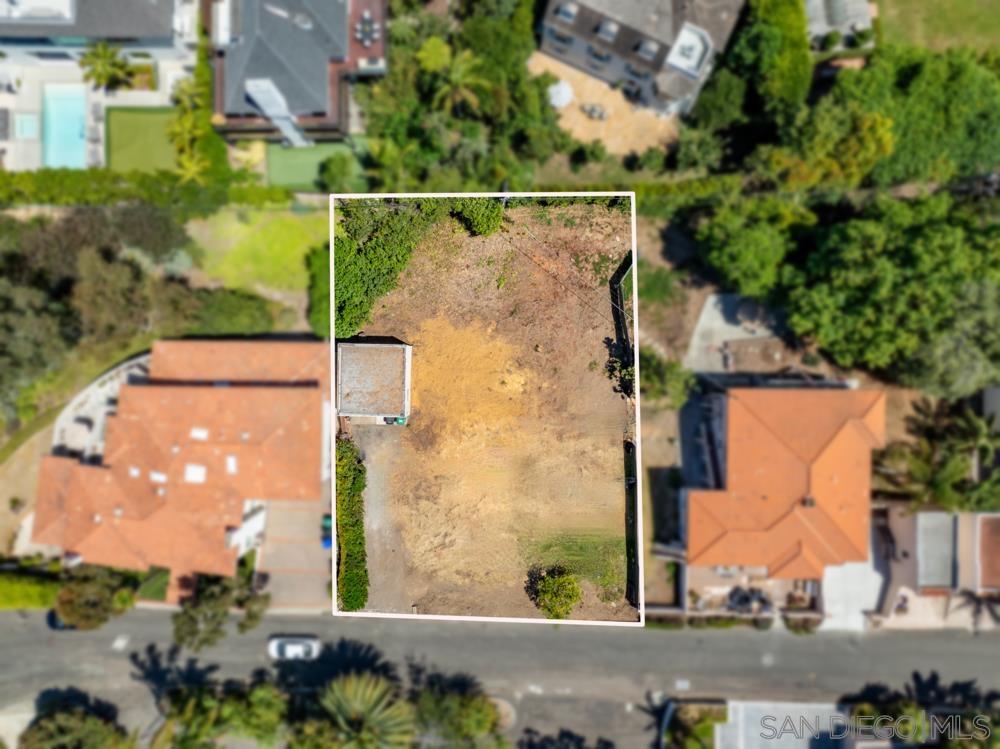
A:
(97, 518)
(808, 501)
(232, 466)
(134, 472)
(161, 491)
(118, 511)
(245, 436)
(303, 21)
(157, 478)
(199, 433)
(194, 473)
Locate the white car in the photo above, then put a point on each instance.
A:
(294, 647)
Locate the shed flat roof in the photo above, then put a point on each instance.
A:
(373, 379)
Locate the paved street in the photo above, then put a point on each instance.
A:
(592, 681)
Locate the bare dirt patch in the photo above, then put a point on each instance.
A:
(516, 435)
(18, 479)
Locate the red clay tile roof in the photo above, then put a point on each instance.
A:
(798, 474)
(181, 459)
(989, 552)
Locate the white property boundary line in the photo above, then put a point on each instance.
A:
(640, 536)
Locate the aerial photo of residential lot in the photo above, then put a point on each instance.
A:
(241, 506)
(485, 397)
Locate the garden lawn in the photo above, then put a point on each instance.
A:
(136, 139)
(938, 24)
(298, 168)
(244, 248)
(596, 557)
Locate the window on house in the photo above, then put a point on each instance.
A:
(647, 49)
(599, 55)
(607, 31)
(633, 72)
(558, 36)
(566, 12)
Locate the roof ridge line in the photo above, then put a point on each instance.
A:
(766, 426)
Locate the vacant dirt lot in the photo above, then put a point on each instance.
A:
(513, 455)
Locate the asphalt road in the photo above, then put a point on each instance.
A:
(594, 682)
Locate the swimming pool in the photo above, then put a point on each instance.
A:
(64, 125)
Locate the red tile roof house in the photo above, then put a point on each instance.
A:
(191, 455)
(793, 495)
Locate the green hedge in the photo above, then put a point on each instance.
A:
(27, 591)
(352, 567)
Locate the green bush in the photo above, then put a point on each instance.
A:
(27, 591)
(352, 563)
(481, 216)
(231, 312)
(554, 590)
(660, 379)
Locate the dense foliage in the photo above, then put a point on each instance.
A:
(67, 282)
(91, 595)
(664, 380)
(458, 108)
(204, 614)
(352, 563)
(70, 727)
(881, 285)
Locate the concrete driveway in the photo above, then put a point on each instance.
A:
(293, 557)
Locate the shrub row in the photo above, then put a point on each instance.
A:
(352, 562)
(23, 591)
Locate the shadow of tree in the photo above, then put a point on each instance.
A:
(929, 691)
(344, 657)
(163, 672)
(565, 739)
(425, 678)
(58, 698)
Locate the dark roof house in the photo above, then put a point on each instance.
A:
(86, 20)
(282, 68)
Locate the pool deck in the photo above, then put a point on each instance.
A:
(21, 91)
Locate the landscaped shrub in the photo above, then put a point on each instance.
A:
(831, 40)
(22, 591)
(554, 590)
(231, 312)
(352, 563)
(318, 263)
(481, 216)
(661, 379)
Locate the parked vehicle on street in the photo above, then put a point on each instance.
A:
(294, 647)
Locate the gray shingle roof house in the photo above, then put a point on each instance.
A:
(659, 51)
(283, 66)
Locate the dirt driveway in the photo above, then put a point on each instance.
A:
(513, 453)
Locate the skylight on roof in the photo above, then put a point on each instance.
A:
(232, 467)
(194, 473)
(199, 433)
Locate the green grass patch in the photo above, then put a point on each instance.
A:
(136, 139)
(153, 586)
(27, 591)
(657, 285)
(298, 168)
(245, 247)
(939, 24)
(597, 557)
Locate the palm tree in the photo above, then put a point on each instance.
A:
(978, 436)
(391, 170)
(104, 66)
(461, 84)
(923, 472)
(186, 95)
(368, 714)
(182, 130)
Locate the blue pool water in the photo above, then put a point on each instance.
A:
(64, 125)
